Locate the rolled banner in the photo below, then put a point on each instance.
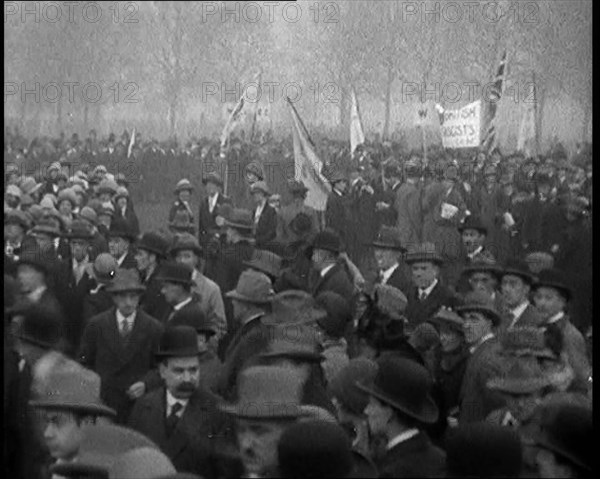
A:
(509, 220)
(448, 211)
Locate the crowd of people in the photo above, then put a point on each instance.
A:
(433, 321)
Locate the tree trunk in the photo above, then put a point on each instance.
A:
(388, 102)
(86, 114)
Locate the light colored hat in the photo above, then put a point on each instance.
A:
(252, 287)
(13, 190)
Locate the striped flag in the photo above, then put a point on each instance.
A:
(131, 143)
(357, 134)
(308, 166)
(489, 141)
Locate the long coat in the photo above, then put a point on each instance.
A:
(335, 280)
(418, 311)
(206, 219)
(542, 224)
(338, 216)
(152, 301)
(95, 302)
(266, 228)
(120, 363)
(191, 447)
(409, 217)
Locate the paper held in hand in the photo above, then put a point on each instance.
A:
(508, 219)
(448, 210)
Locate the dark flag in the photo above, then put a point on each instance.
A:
(489, 141)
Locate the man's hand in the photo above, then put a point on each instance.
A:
(136, 390)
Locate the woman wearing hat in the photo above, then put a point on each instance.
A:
(183, 193)
(264, 215)
(124, 209)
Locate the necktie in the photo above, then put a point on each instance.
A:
(422, 295)
(172, 419)
(380, 277)
(125, 329)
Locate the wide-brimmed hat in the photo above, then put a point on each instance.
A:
(79, 230)
(517, 267)
(121, 228)
(473, 222)
(252, 287)
(423, 253)
(343, 386)
(126, 280)
(327, 240)
(480, 302)
(260, 186)
(265, 261)
(108, 186)
(17, 217)
(153, 243)
(178, 341)
(404, 385)
(183, 185)
(172, 272)
(293, 307)
(298, 344)
(240, 219)
(553, 278)
(267, 392)
(186, 241)
(39, 326)
(446, 317)
(523, 376)
(483, 266)
(74, 390)
(525, 341)
(388, 238)
(194, 318)
(214, 178)
(297, 187)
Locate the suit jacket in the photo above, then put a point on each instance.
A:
(206, 219)
(130, 217)
(530, 317)
(409, 217)
(418, 311)
(95, 302)
(338, 216)
(401, 278)
(336, 280)
(129, 261)
(191, 446)
(476, 400)
(120, 363)
(266, 228)
(415, 457)
(152, 301)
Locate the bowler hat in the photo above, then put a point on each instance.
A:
(388, 238)
(343, 386)
(315, 449)
(517, 267)
(143, 462)
(186, 241)
(524, 375)
(327, 240)
(119, 227)
(447, 317)
(126, 280)
(297, 187)
(483, 265)
(172, 272)
(260, 186)
(79, 230)
(75, 390)
(525, 341)
(538, 261)
(252, 287)
(293, 306)
(105, 267)
(404, 385)
(214, 178)
(265, 261)
(472, 222)
(42, 327)
(178, 341)
(153, 243)
(299, 344)
(267, 392)
(183, 185)
(480, 302)
(195, 318)
(423, 253)
(240, 219)
(339, 313)
(553, 278)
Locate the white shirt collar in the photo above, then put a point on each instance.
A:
(259, 210)
(120, 318)
(475, 253)
(473, 348)
(178, 306)
(326, 269)
(81, 263)
(557, 317)
(121, 258)
(402, 437)
(212, 201)
(171, 400)
(36, 294)
(387, 274)
(429, 288)
(252, 316)
(517, 312)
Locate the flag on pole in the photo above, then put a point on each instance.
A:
(527, 136)
(357, 134)
(308, 166)
(131, 143)
(489, 141)
(231, 122)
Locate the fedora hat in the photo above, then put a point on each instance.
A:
(473, 222)
(213, 178)
(267, 392)
(523, 376)
(517, 267)
(252, 287)
(153, 243)
(404, 385)
(525, 341)
(79, 230)
(265, 261)
(423, 253)
(39, 326)
(178, 341)
(388, 238)
(105, 267)
(74, 390)
(447, 317)
(299, 344)
(182, 222)
(186, 241)
(126, 280)
(260, 186)
(480, 302)
(172, 272)
(183, 185)
(483, 265)
(293, 306)
(240, 219)
(343, 386)
(120, 227)
(553, 278)
(327, 240)
(194, 318)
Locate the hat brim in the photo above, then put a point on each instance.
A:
(429, 411)
(451, 323)
(150, 249)
(119, 234)
(528, 277)
(40, 265)
(168, 279)
(79, 236)
(494, 270)
(482, 229)
(312, 317)
(133, 289)
(178, 353)
(518, 386)
(214, 181)
(31, 339)
(241, 410)
(495, 316)
(424, 258)
(45, 231)
(240, 297)
(93, 408)
(257, 265)
(305, 356)
(383, 245)
(196, 249)
(561, 288)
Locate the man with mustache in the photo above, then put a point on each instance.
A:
(181, 417)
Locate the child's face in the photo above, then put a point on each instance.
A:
(62, 434)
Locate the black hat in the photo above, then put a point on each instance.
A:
(175, 273)
(339, 313)
(40, 326)
(518, 268)
(553, 278)
(178, 341)
(404, 385)
(214, 178)
(265, 261)
(423, 253)
(195, 318)
(121, 228)
(388, 238)
(327, 240)
(483, 266)
(154, 243)
(473, 223)
(482, 303)
(79, 230)
(34, 256)
(301, 225)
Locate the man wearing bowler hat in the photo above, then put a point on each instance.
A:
(119, 345)
(328, 273)
(209, 207)
(400, 407)
(98, 299)
(181, 417)
(515, 287)
(151, 252)
(393, 271)
(120, 243)
(176, 281)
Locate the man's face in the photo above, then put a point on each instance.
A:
(386, 258)
(472, 239)
(105, 220)
(62, 434)
(122, 202)
(29, 278)
(144, 259)
(484, 282)
(320, 258)
(211, 188)
(450, 339)
(181, 375)
(79, 249)
(117, 246)
(514, 290)
(548, 301)
(187, 257)
(423, 274)
(476, 326)
(13, 232)
(105, 197)
(65, 207)
(126, 302)
(378, 415)
(258, 440)
(522, 406)
(171, 292)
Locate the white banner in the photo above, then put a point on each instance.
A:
(461, 128)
